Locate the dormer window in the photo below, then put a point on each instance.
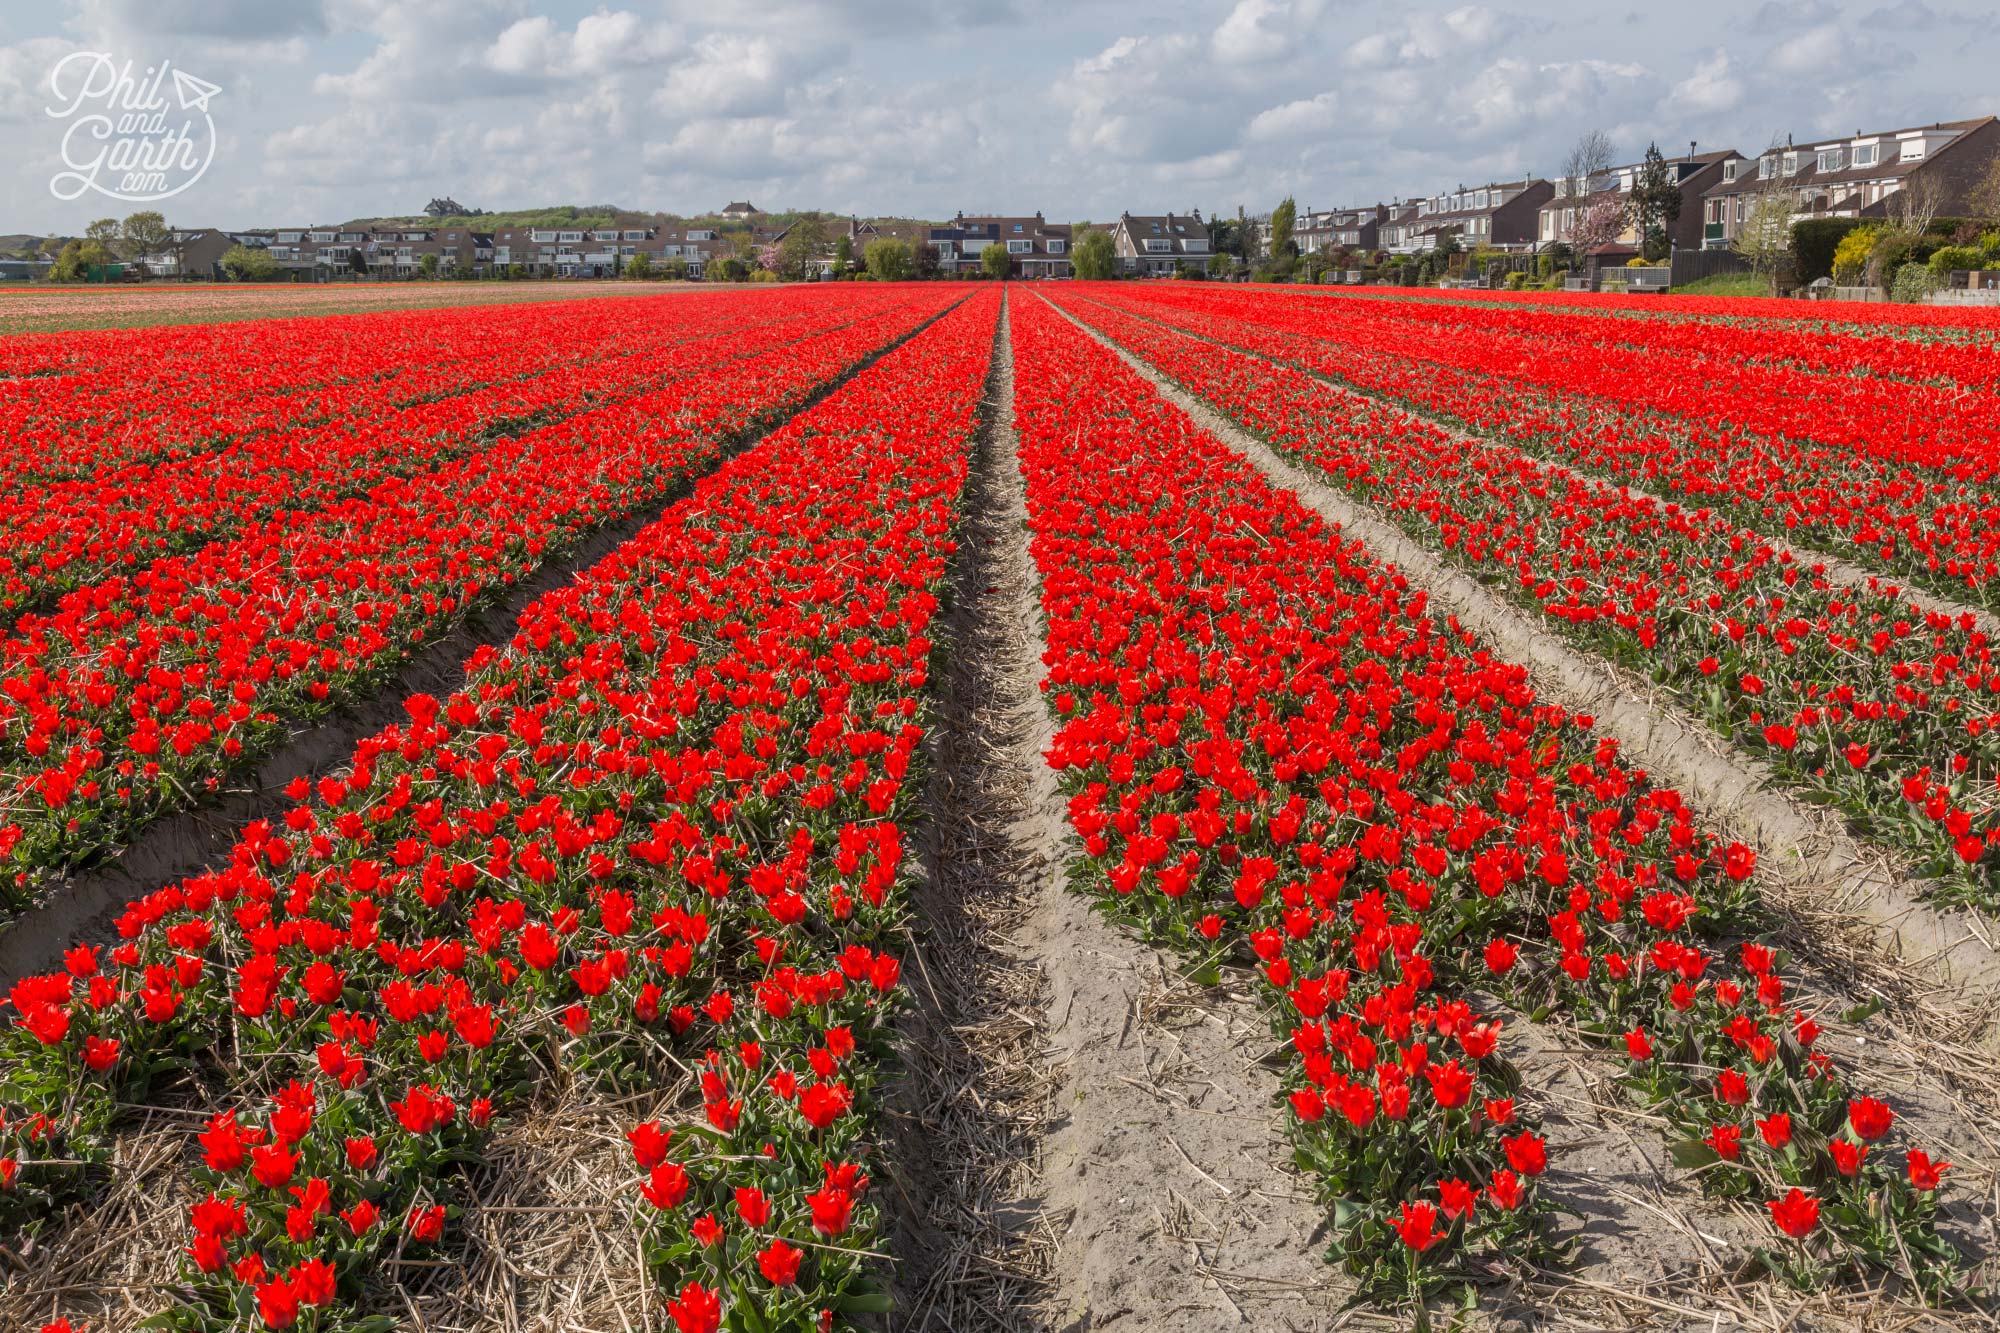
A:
(1729, 172)
(1831, 159)
(1913, 150)
(1767, 167)
(1791, 164)
(1867, 154)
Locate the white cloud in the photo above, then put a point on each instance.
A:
(1307, 115)
(1712, 87)
(1260, 30)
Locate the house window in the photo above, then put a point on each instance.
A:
(569, 236)
(1867, 154)
(635, 235)
(1017, 226)
(1159, 247)
(1766, 168)
(1791, 164)
(1057, 247)
(1830, 159)
(1729, 172)
(1020, 247)
(1913, 149)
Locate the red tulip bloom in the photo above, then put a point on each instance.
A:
(1924, 1173)
(1418, 1226)
(1526, 1153)
(696, 1310)
(1869, 1118)
(1796, 1214)
(779, 1263)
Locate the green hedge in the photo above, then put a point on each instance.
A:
(1814, 241)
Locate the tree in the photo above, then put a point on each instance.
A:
(1247, 244)
(1763, 238)
(1283, 218)
(888, 260)
(1092, 257)
(146, 233)
(1913, 208)
(428, 266)
(674, 270)
(1591, 153)
(732, 269)
(639, 267)
(996, 262)
(1983, 200)
(249, 263)
(843, 253)
(925, 262)
(1596, 224)
(799, 252)
(1225, 236)
(1655, 205)
(463, 270)
(78, 258)
(105, 232)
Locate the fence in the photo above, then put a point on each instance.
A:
(1694, 265)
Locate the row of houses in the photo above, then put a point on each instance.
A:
(1855, 176)
(400, 250)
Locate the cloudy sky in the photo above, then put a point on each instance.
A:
(921, 107)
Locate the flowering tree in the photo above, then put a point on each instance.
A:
(1596, 224)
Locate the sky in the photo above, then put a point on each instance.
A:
(330, 109)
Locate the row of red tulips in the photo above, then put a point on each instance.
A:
(57, 537)
(1277, 749)
(1855, 697)
(1847, 465)
(656, 842)
(139, 694)
(1956, 324)
(1672, 342)
(153, 395)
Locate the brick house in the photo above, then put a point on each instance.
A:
(1695, 174)
(1357, 229)
(1855, 177)
(1039, 248)
(1397, 233)
(1156, 245)
(1500, 215)
(193, 252)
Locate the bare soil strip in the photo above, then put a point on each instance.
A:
(964, 1129)
(172, 848)
(1833, 886)
(1925, 1048)
(1154, 1191)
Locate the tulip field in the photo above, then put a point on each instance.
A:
(666, 845)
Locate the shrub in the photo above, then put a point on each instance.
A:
(1516, 281)
(1914, 283)
(1814, 243)
(1953, 257)
(1850, 257)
